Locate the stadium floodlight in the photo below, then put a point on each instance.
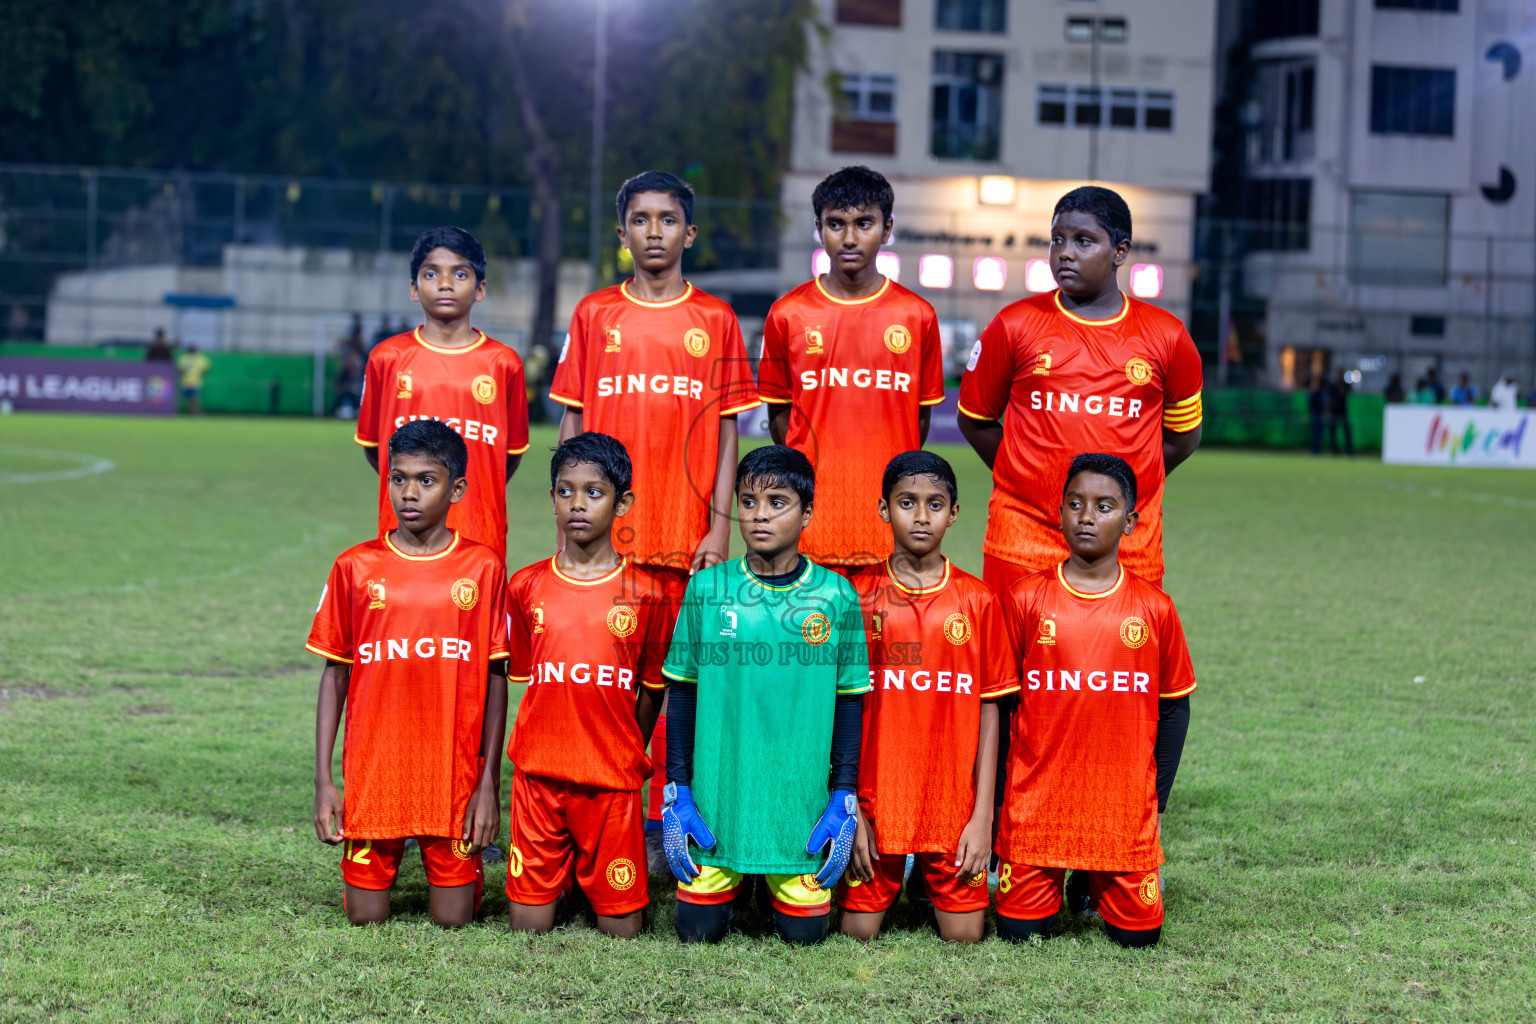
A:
(821, 263)
(997, 190)
(990, 273)
(889, 264)
(935, 270)
(1038, 276)
(1146, 280)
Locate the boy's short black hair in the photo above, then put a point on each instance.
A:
(851, 188)
(457, 241)
(1112, 466)
(1103, 204)
(434, 439)
(608, 454)
(777, 464)
(656, 181)
(919, 463)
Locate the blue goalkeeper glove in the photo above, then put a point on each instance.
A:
(838, 824)
(679, 821)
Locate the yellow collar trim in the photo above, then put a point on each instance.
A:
(424, 558)
(1125, 309)
(851, 302)
(766, 586)
(450, 351)
(918, 591)
(687, 294)
(554, 568)
(1062, 579)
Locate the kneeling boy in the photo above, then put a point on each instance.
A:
(1103, 711)
(413, 626)
(939, 659)
(589, 631)
(768, 670)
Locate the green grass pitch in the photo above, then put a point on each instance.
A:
(1350, 839)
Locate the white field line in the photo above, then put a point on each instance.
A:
(89, 465)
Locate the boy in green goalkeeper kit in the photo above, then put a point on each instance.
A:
(768, 668)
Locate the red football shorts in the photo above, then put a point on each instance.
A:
(562, 832)
(949, 894)
(373, 863)
(1132, 901)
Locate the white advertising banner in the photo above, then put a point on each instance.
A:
(1454, 435)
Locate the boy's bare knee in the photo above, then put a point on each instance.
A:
(864, 927)
(626, 927)
(536, 919)
(962, 928)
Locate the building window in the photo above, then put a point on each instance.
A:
(1052, 100)
(1279, 19)
(1398, 239)
(1285, 95)
(972, 15)
(883, 13)
(1113, 30)
(1108, 30)
(1122, 108)
(967, 105)
(1087, 106)
(869, 97)
(1447, 6)
(1413, 101)
(1084, 106)
(1157, 110)
(1079, 30)
(1277, 214)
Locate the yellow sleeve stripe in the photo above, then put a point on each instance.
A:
(854, 693)
(733, 410)
(654, 684)
(931, 401)
(519, 679)
(1184, 416)
(328, 655)
(499, 656)
(775, 400)
(682, 679)
(983, 417)
(365, 444)
(991, 694)
(1180, 693)
(572, 402)
(517, 451)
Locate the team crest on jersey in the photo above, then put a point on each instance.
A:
(957, 629)
(1047, 633)
(1134, 632)
(970, 364)
(977, 880)
(816, 628)
(461, 849)
(484, 389)
(375, 591)
(1138, 371)
(1147, 890)
(897, 338)
(696, 341)
(515, 862)
(1043, 364)
(402, 385)
(611, 339)
(621, 873)
(465, 593)
(810, 883)
(813, 342)
(622, 620)
(538, 618)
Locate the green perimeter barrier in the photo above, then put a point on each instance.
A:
(1278, 419)
(245, 383)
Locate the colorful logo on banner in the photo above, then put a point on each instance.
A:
(1452, 441)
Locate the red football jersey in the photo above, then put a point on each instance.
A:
(658, 376)
(478, 391)
(855, 372)
(420, 632)
(583, 646)
(1082, 780)
(1062, 386)
(935, 654)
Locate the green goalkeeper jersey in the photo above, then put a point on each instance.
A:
(769, 663)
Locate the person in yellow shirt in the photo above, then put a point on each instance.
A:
(193, 366)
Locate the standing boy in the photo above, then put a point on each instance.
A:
(1082, 368)
(939, 658)
(588, 636)
(852, 367)
(1104, 709)
(413, 628)
(768, 671)
(447, 370)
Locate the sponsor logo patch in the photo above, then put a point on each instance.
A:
(1047, 633)
(375, 591)
(402, 385)
(970, 364)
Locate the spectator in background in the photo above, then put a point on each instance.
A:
(1423, 393)
(194, 367)
(1465, 392)
(1317, 405)
(1338, 415)
(1432, 378)
(1505, 394)
(159, 350)
(1395, 392)
(349, 381)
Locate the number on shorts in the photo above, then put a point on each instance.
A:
(1005, 877)
(358, 853)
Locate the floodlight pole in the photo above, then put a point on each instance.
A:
(599, 95)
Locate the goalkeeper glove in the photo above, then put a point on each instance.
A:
(679, 821)
(838, 824)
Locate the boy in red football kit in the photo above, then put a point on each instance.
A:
(660, 365)
(851, 354)
(447, 370)
(589, 633)
(413, 626)
(1104, 710)
(1083, 368)
(939, 658)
